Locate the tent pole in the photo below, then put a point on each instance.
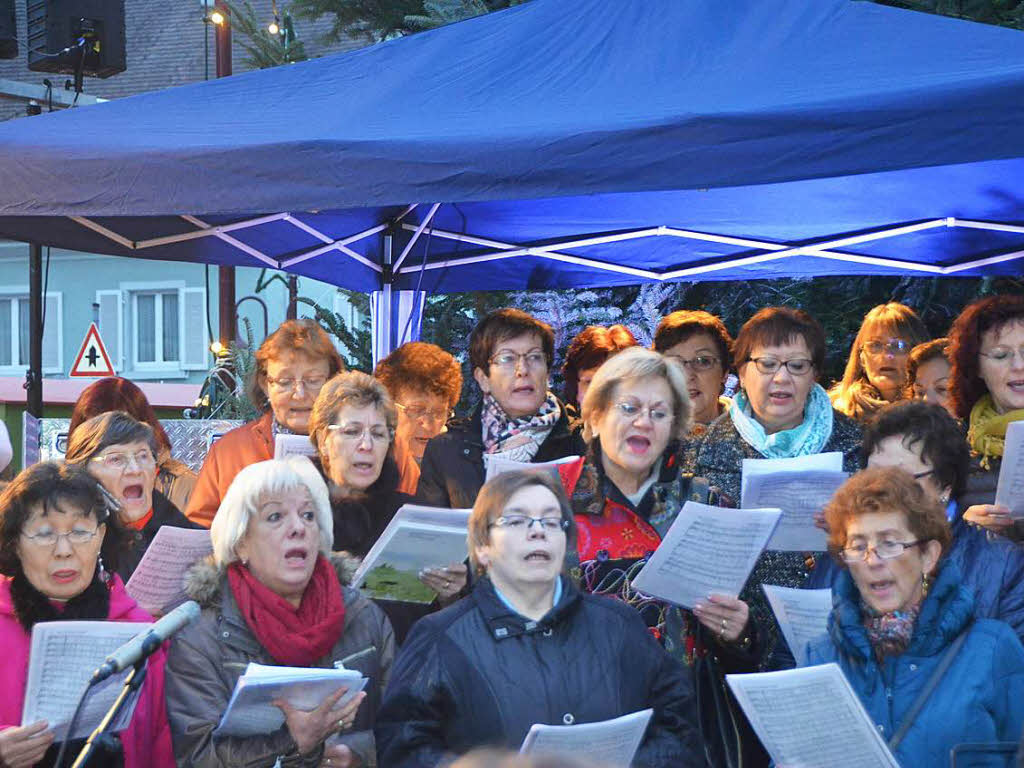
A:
(225, 275)
(34, 374)
(386, 279)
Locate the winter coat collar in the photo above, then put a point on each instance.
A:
(504, 623)
(946, 611)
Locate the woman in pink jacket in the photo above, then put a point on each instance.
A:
(53, 529)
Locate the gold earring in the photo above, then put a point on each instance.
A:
(925, 583)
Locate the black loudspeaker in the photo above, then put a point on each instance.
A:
(8, 31)
(55, 28)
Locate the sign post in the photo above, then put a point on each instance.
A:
(92, 360)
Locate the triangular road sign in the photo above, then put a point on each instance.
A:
(92, 360)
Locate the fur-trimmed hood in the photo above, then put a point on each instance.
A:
(204, 580)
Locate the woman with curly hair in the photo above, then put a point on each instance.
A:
(591, 347)
(987, 391)
(425, 383)
(876, 372)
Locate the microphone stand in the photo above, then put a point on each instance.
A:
(100, 736)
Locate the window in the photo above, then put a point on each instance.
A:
(15, 332)
(155, 329)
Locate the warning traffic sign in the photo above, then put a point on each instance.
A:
(92, 360)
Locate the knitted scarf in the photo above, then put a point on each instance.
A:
(809, 437)
(860, 401)
(987, 431)
(293, 637)
(889, 633)
(517, 438)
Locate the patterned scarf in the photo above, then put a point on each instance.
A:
(889, 633)
(860, 401)
(809, 437)
(517, 438)
(987, 431)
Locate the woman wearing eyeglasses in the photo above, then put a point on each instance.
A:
(987, 391)
(425, 383)
(876, 372)
(53, 526)
(780, 412)
(520, 418)
(902, 614)
(292, 364)
(353, 429)
(121, 453)
(699, 342)
(526, 646)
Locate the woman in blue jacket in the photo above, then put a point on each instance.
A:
(900, 608)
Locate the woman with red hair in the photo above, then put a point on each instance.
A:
(174, 479)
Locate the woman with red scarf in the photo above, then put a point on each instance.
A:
(272, 593)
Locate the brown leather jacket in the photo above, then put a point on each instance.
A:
(206, 659)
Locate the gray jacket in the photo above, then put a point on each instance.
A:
(207, 658)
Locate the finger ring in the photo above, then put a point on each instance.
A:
(724, 625)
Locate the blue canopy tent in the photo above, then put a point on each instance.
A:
(558, 144)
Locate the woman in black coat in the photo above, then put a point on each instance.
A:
(527, 647)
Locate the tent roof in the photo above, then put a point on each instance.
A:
(599, 141)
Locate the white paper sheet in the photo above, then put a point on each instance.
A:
(801, 488)
(1010, 489)
(250, 712)
(811, 718)
(496, 465)
(612, 742)
(158, 583)
(416, 538)
(707, 550)
(802, 615)
(63, 657)
(293, 445)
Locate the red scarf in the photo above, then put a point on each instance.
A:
(293, 637)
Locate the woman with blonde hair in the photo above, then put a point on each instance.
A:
(876, 372)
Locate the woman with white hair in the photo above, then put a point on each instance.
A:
(273, 593)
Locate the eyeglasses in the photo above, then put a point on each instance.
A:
(525, 523)
(897, 347)
(119, 462)
(884, 550)
(508, 361)
(312, 384)
(420, 413)
(925, 473)
(798, 366)
(699, 363)
(354, 433)
(77, 537)
(1003, 355)
(631, 412)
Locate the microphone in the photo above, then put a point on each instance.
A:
(145, 643)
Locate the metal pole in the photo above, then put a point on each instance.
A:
(293, 293)
(225, 275)
(34, 375)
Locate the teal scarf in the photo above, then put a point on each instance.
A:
(807, 438)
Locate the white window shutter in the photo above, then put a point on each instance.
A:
(195, 336)
(111, 325)
(53, 336)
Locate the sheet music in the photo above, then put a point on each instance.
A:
(158, 583)
(810, 717)
(708, 550)
(63, 657)
(417, 537)
(496, 465)
(250, 712)
(1010, 490)
(801, 488)
(293, 445)
(612, 742)
(802, 614)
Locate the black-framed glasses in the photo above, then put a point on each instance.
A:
(525, 523)
(798, 366)
(896, 347)
(77, 537)
(925, 473)
(884, 550)
(698, 363)
(508, 360)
